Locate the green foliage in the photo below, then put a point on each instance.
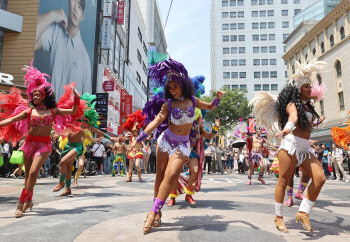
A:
(233, 106)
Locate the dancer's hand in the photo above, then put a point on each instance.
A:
(283, 133)
(75, 92)
(114, 139)
(219, 94)
(217, 123)
(131, 146)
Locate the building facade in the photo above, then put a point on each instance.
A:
(329, 41)
(247, 43)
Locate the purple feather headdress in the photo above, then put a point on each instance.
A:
(171, 69)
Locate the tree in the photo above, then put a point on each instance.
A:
(233, 106)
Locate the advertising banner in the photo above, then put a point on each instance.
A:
(106, 33)
(107, 8)
(127, 106)
(65, 43)
(108, 86)
(120, 14)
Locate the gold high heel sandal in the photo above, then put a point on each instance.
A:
(157, 222)
(58, 187)
(147, 227)
(28, 204)
(18, 212)
(306, 224)
(282, 227)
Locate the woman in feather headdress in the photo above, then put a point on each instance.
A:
(36, 123)
(294, 112)
(175, 114)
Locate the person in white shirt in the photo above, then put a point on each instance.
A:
(208, 157)
(69, 60)
(98, 151)
(337, 160)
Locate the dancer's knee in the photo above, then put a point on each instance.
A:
(319, 180)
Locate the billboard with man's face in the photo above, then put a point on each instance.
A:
(65, 43)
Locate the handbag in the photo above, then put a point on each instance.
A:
(17, 157)
(1, 161)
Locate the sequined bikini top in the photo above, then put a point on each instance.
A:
(309, 116)
(41, 121)
(182, 116)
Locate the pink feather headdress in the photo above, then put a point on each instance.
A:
(34, 80)
(318, 91)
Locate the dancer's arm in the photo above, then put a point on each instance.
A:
(210, 106)
(247, 136)
(19, 117)
(292, 120)
(61, 111)
(99, 132)
(211, 135)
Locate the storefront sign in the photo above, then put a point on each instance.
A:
(6, 78)
(106, 33)
(127, 105)
(120, 14)
(107, 8)
(108, 86)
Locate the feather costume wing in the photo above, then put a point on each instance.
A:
(151, 110)
(265, 112)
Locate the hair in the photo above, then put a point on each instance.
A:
(49, 101)
(186, 88)
(82, 4)
(291, 94)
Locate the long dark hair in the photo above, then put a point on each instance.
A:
(291, 94)
(50, 99)
(187, 88)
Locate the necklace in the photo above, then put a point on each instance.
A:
(40, 107)
(180, 98)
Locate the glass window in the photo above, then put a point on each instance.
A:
(241, 50)
(243, 87)
(241, 14)
(226, 62)
(234, 74)
(256, 74)
(224, 3)
(271, 25)
(233, 14)
(139, 34)
(285, 24)
(255, 13)
(266, 87)
(264, 49)
(255, 37)
(272, 49)
(226, 75)
(256, 62)
(322, 47)
(262, 2)
(226, 50)
(285, 36)
(265, 74)
(233, 50)
(284, 1)
(144, 48)
(234, 62)
(241, 26)
(255, 25)
(225, 26)
(234, 87)
(225, 38)
(319, 78)
(293, 69)
(322, 107)
(341, 101)
(263, 37)
(338, 69)
(242, 62)
(273, 62)
(233, 37)
(138, 77)
(272, 36)
(242, 75)
(139, 56)
(233, 2)
(331, 40)
(342, 33)
(270, 13)
(269, 2)
(224, 14)
(274, 87)
(264, 62)
(240, 2)
(257, 87)
(256, 49)
(286, 74)
(241, 37)
(285, 12)
(263, 25)
(262, 13)
(273, 74)
(254, 2)
(296, 1)
(226, 86)
(297, 11)
(144, 67)
(233, 26)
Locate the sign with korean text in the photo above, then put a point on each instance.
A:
(127, 105)
(106, 33)
(107, 8)
(108, 86)
(120, 14)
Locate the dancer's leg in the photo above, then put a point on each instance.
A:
(79, 170)
(69, 167)
(290, 186)
(138, 168)
(250, 171)
(262, 169)
(161, 164)
(131, 167)
(64, 168)
(33, 172)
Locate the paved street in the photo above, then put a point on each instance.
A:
(106, 208)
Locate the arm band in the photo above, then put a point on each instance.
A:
(290, 126)
(216, 102)
(106, 136)
(141, 137)
(76, 100)
(214, 130)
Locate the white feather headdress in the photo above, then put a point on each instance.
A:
(306, 73)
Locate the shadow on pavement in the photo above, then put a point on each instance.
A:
(215, 204)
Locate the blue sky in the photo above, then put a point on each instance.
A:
(188, 35)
